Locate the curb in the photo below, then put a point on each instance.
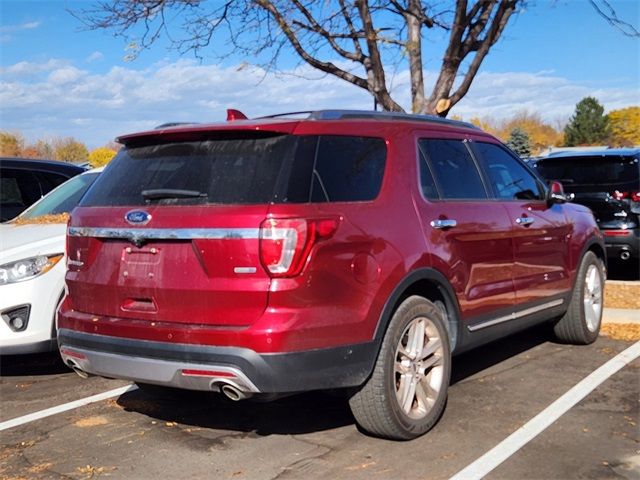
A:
(620, 315)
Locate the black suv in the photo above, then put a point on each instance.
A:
(23, 181)
(608, 182)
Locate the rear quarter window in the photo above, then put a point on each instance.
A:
(348, 169)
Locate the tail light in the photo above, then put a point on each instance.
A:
(616, 233)
(285, 244)
(618, 195)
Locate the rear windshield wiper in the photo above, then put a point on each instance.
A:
(168, 193)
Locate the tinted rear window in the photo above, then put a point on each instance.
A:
(348, 169)
(228, 171)
(277, 168)
(597, 170)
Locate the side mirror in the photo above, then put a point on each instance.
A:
(556, 194)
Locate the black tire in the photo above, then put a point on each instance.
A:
(579, 326)
(376, 406)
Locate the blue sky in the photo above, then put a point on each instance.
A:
(58, 79)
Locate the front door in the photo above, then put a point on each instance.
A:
(540, 231)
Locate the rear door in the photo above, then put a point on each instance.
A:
(170, 231)
(540, 232)
(469, 234)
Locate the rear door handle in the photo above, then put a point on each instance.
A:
(443, 224)
(524, 221)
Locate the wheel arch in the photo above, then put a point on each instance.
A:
(432, 285)
(597, 247)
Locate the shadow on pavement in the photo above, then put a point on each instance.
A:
(297, 414)
(32, 364)
(481, 358)
(623, 270)
(302, 413)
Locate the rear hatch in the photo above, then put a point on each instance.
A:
(607, 184)
(170, 231)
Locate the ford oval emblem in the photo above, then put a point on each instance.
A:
(137, 217)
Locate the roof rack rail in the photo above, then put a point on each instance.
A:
(369, 114)
(309, 113)
(410, 117)
(173, 124)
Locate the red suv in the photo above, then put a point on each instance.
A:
(343, 249)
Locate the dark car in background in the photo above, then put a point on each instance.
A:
(608, 182)
(24, 181)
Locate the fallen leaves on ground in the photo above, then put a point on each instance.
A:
(42, 219)
(622, 295)
(90, 471)
(621, 331)
(39, 468)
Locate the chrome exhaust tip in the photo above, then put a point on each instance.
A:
(81, 373)
(233, 393)
(625, 255)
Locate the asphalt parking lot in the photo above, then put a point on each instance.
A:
(496, 390)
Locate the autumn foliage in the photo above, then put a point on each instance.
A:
(625, 127)
(65, 149)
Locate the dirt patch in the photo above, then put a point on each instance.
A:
(622, 295)
(91, 422)
(621, 331)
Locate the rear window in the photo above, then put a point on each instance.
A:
(276, 168)
(596, 170)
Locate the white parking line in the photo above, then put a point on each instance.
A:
(116, 392)
(514, 442)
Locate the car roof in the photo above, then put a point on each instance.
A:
(286, 123)
(47, 165)
(608, 152)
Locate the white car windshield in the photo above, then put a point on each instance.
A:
(63, 199)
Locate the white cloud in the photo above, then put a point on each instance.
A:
(21, 26)
(6, 31)
(26, 69)
(56, 98)
(65, 75)
(94, 57)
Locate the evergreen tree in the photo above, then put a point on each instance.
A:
(588, 125)
(520, 142)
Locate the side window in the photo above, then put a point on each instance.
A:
(455, 171)
(348, 169)
(9, 190)
(427, 183)
(510, 180)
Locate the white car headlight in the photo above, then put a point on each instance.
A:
(27, 268)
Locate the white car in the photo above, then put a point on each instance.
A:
(32, 268)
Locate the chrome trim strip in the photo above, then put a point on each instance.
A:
(516, 315)
(165, 233)
(244, 269)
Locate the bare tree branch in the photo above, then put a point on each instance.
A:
(367, 37)
(606, 11)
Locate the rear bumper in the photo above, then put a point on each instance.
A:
(199, 367)
(617, 245)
